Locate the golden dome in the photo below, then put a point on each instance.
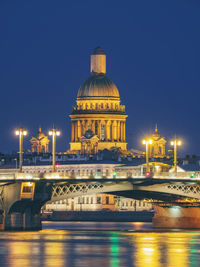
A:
(40, 134)
(98, 85)
(156, 136)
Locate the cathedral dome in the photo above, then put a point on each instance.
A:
(40, 134)
(156, 136)
(98, 85)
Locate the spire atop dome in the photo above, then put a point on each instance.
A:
(98, 61)
(156, 128)
(98, 51)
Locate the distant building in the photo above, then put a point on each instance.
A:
(98, 202)
(40, 143)
(157, 148)
(99, 111)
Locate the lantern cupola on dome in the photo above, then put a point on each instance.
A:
(98, 84)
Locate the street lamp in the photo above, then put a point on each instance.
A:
(54, 133)
(147, 142)
(21, 132)
(176, 142)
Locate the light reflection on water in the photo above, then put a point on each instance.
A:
(100, 244)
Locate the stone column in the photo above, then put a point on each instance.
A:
(121, 131)
(79, 129)
(115, 130)
(99, 129)
(93, 126)
(72, 131)
(83, 128)
(124, 132)
(106, 130)
(118, 131)
(76, 131)
(163, 150)
(112, 131)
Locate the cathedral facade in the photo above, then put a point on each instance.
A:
(157, 148)
(40, 143)
(98, 121)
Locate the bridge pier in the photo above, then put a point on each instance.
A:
(177, 217)
(20, 204)
(31, 221)
(20, 221)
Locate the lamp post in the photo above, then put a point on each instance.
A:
(54, 132)
(147, 142)
(176, 142)
(21, 132)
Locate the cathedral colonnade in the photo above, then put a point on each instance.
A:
(106, 130)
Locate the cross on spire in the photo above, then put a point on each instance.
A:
(156, 128)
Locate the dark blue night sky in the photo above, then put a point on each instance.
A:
(153, 56)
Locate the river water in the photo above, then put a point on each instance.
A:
(95, 244)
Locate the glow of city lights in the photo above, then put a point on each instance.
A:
(176, 142)
(179, 143)
(148, 141)
(21, 131)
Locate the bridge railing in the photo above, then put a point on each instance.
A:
(69, 175)
(189, 174)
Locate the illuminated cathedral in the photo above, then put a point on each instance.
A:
(98, 121)
(40, 143)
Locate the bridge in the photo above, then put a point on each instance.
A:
(176, 198)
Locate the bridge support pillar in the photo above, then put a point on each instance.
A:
(21, 221)
(31, 221)
(183, 217)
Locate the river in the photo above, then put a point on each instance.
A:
(94, 244)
